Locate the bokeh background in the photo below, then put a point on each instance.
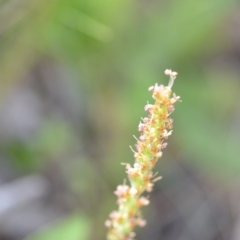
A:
(74, 76)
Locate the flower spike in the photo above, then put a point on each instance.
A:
(154, 131)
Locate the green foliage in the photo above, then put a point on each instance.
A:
(22, 156)
(73, 227)
(202, 119)
(53, 139)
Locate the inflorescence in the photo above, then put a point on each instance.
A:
(154, 131)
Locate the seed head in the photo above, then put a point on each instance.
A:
(154, 131)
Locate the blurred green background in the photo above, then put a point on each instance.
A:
(73, 84)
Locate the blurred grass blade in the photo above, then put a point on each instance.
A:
(86, 24)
